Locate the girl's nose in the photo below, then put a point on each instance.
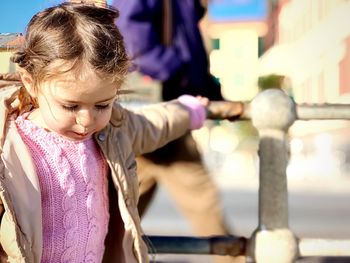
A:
(85, 118)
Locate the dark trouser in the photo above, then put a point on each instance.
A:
(178, 85)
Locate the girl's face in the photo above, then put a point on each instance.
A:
(74, 108)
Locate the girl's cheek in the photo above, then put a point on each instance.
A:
(105, 119)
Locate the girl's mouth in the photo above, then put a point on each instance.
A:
(81, 134)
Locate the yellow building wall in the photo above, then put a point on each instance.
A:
(5, 64)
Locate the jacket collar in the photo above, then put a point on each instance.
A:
(118, 115)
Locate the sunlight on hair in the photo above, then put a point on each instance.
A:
(100, 3)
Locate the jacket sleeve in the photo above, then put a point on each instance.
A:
(9, 79)
(140, 23)
(153, 126)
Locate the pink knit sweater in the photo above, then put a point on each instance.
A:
(72, 176)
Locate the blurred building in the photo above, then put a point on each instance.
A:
(235, 28)
(305, 41)
(8, 43)
(309, 41)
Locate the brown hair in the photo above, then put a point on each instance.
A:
(72, 36)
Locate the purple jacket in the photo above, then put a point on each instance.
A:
(140, 23)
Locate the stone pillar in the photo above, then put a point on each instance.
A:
(272, 113)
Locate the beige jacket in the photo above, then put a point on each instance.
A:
(128, 134)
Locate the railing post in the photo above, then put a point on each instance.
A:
(272, 113)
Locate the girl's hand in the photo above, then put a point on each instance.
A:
(226, 110)
(204, 101)
(197, 106)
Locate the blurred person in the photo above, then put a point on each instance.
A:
(164, 41)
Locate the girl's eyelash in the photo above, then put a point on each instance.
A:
(102, 107)
(70, 108)
(75, 107)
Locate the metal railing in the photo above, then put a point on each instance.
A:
(272, 113)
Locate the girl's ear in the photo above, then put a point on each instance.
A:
(28, 83)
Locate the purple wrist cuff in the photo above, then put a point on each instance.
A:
(197, 110)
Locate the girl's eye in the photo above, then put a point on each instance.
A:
(102, 107)
(70, 108)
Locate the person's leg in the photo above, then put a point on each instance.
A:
(178, 167)
(147, 183)
(193, 189)
(195, 193)
(196, 196)
(151, 165)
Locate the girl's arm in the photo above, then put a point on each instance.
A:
(153, 126)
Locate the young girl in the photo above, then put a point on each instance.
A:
(68, 185)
